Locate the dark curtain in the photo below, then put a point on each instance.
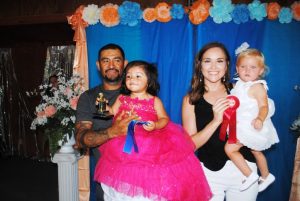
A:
(21, 71)
(15, 116)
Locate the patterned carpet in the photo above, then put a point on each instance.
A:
(28, 180)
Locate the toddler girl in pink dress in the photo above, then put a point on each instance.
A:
(165, 167)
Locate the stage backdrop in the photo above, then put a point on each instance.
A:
(172, 47)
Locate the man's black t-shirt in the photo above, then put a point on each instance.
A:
(86, 107)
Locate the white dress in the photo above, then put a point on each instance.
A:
(247, 111)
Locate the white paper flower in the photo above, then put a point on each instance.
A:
(90, 14)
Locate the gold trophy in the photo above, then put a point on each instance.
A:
(102, 112)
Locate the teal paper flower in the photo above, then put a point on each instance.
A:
(240, 14)
(130, 13)
(257, 10)
(220, 11)
(285, 15)
(177, 11)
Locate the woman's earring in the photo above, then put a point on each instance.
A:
(224, 79)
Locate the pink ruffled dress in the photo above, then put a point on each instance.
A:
(165, 167)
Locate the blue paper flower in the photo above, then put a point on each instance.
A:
(257, 10)
(130, 13)
(220, 11)
(177, 11)
(285, 15)
(240, 14)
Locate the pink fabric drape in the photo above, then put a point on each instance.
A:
(295, 190)
(80, 61)
(81, 67)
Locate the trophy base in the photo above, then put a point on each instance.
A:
(104, 115)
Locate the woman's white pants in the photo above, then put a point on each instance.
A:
(227, 181)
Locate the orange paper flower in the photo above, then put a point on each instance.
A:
(199, 11)
(109, 15)
(296, 10)
(163, 12)
(273, 10)
(149, 15)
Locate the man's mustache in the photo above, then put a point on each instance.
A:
(112, 69)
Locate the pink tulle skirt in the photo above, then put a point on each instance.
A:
(165, 167)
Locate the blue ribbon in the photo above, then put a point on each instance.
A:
(130, 141)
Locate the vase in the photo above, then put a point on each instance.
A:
(67, 147)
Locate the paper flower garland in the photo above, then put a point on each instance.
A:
(163, 12)
(296, 10)
(90, 14)
(285, 15)
(130, 13)
(199, 11)
(177, 11)
(273, 10)
(257, 10)
(220, 12)
(240, 14)
(109, 15)
(149, 15)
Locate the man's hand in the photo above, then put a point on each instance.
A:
(120, 125)
(86, 137)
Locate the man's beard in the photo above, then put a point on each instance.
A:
(114, 80)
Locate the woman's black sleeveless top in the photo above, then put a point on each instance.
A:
(212, 153)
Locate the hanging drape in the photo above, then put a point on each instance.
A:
(172, 47)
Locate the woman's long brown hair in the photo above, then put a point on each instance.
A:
(197, 83)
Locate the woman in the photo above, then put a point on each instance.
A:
(202, 115)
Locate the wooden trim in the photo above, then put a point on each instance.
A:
(36, 19)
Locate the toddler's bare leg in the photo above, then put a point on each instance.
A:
(262, 163)
(232, 151)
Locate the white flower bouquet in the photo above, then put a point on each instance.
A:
(56, 112)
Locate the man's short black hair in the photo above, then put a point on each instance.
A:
(109, 47)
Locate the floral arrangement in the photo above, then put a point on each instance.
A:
(296, 123)
(222, 11)
(56, 112)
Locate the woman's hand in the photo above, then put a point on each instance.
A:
(218, 109)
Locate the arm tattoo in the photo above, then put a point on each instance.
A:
(82, 130)
(87, 137)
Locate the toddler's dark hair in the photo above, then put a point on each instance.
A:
(151, 73)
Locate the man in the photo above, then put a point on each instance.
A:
(92, 132)
(52, 85)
